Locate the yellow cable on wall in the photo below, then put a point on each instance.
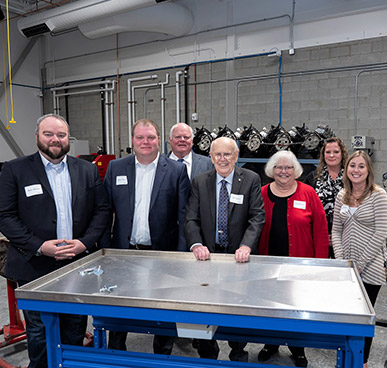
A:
(4, 78)
(12, 121)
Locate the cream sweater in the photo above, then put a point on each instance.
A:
(361, 236)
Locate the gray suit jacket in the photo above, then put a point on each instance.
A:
(245, 220)
(200, 164)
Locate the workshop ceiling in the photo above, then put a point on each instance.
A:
(304, 10)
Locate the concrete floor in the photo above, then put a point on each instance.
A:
(16, 354)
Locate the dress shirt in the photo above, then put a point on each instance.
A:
(60, 183)
(219, 179)
(187, 160)
(145, 176)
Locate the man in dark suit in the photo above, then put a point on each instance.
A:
(148, 192)
(53, 210)
(224, 214)
(181, 140)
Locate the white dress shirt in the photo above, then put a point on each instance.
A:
(187, 160)
(145, 176)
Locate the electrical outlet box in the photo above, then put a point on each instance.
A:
(195, 116)
(362, 142)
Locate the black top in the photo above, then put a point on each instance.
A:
(279, 237)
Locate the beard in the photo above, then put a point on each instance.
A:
(54, 156)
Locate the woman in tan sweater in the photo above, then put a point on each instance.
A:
(360, 226)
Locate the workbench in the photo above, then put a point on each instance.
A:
(318, 303)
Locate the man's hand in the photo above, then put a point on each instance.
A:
(49, 247)
(70, 249)
(242, 254)
(201, 252)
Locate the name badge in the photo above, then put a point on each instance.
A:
(121, 180)
(299, 204)
(236, 198)
(344, 208)
(33, 190)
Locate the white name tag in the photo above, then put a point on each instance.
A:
(299, 204)
(121, 180)
(236, 198)
(33, 190)
(344, 208)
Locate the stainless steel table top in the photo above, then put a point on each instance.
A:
(282, 287)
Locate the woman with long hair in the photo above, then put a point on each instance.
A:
(327, 179)
(359, 229)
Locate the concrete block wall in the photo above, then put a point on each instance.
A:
(318, 87)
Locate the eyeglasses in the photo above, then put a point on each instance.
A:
(227, 156)
(286, 168)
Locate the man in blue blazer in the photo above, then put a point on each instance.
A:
(53, 210)
(148, 192)
(181, 140)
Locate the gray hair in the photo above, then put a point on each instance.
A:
(48, 116)
(176, 125)
(234, 143)
(287, 155)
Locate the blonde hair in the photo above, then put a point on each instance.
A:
(145, 122)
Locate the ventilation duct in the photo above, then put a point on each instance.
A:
(73, 14)
(167, 18)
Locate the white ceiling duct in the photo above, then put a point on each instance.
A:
(73, 14)
(167, 18)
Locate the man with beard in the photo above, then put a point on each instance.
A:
(53, 210)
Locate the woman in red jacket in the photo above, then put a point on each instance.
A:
(295, 226)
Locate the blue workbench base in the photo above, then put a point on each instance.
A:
(346, 338)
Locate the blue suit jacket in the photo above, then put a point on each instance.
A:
(29, 220)
(170, 193)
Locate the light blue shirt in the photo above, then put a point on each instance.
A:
(219, 179)
(59, 178)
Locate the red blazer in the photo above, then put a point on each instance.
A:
(307, 224)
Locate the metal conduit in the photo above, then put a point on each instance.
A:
(356, 94)
(108, 89)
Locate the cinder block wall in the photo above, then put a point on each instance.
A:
(319, 86)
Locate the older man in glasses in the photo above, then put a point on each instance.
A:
(225, 214)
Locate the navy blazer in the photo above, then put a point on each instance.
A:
(28, 219)
(245, 219)
(170, 193)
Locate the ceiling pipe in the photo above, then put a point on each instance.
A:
(75, 13)
(167, 18)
